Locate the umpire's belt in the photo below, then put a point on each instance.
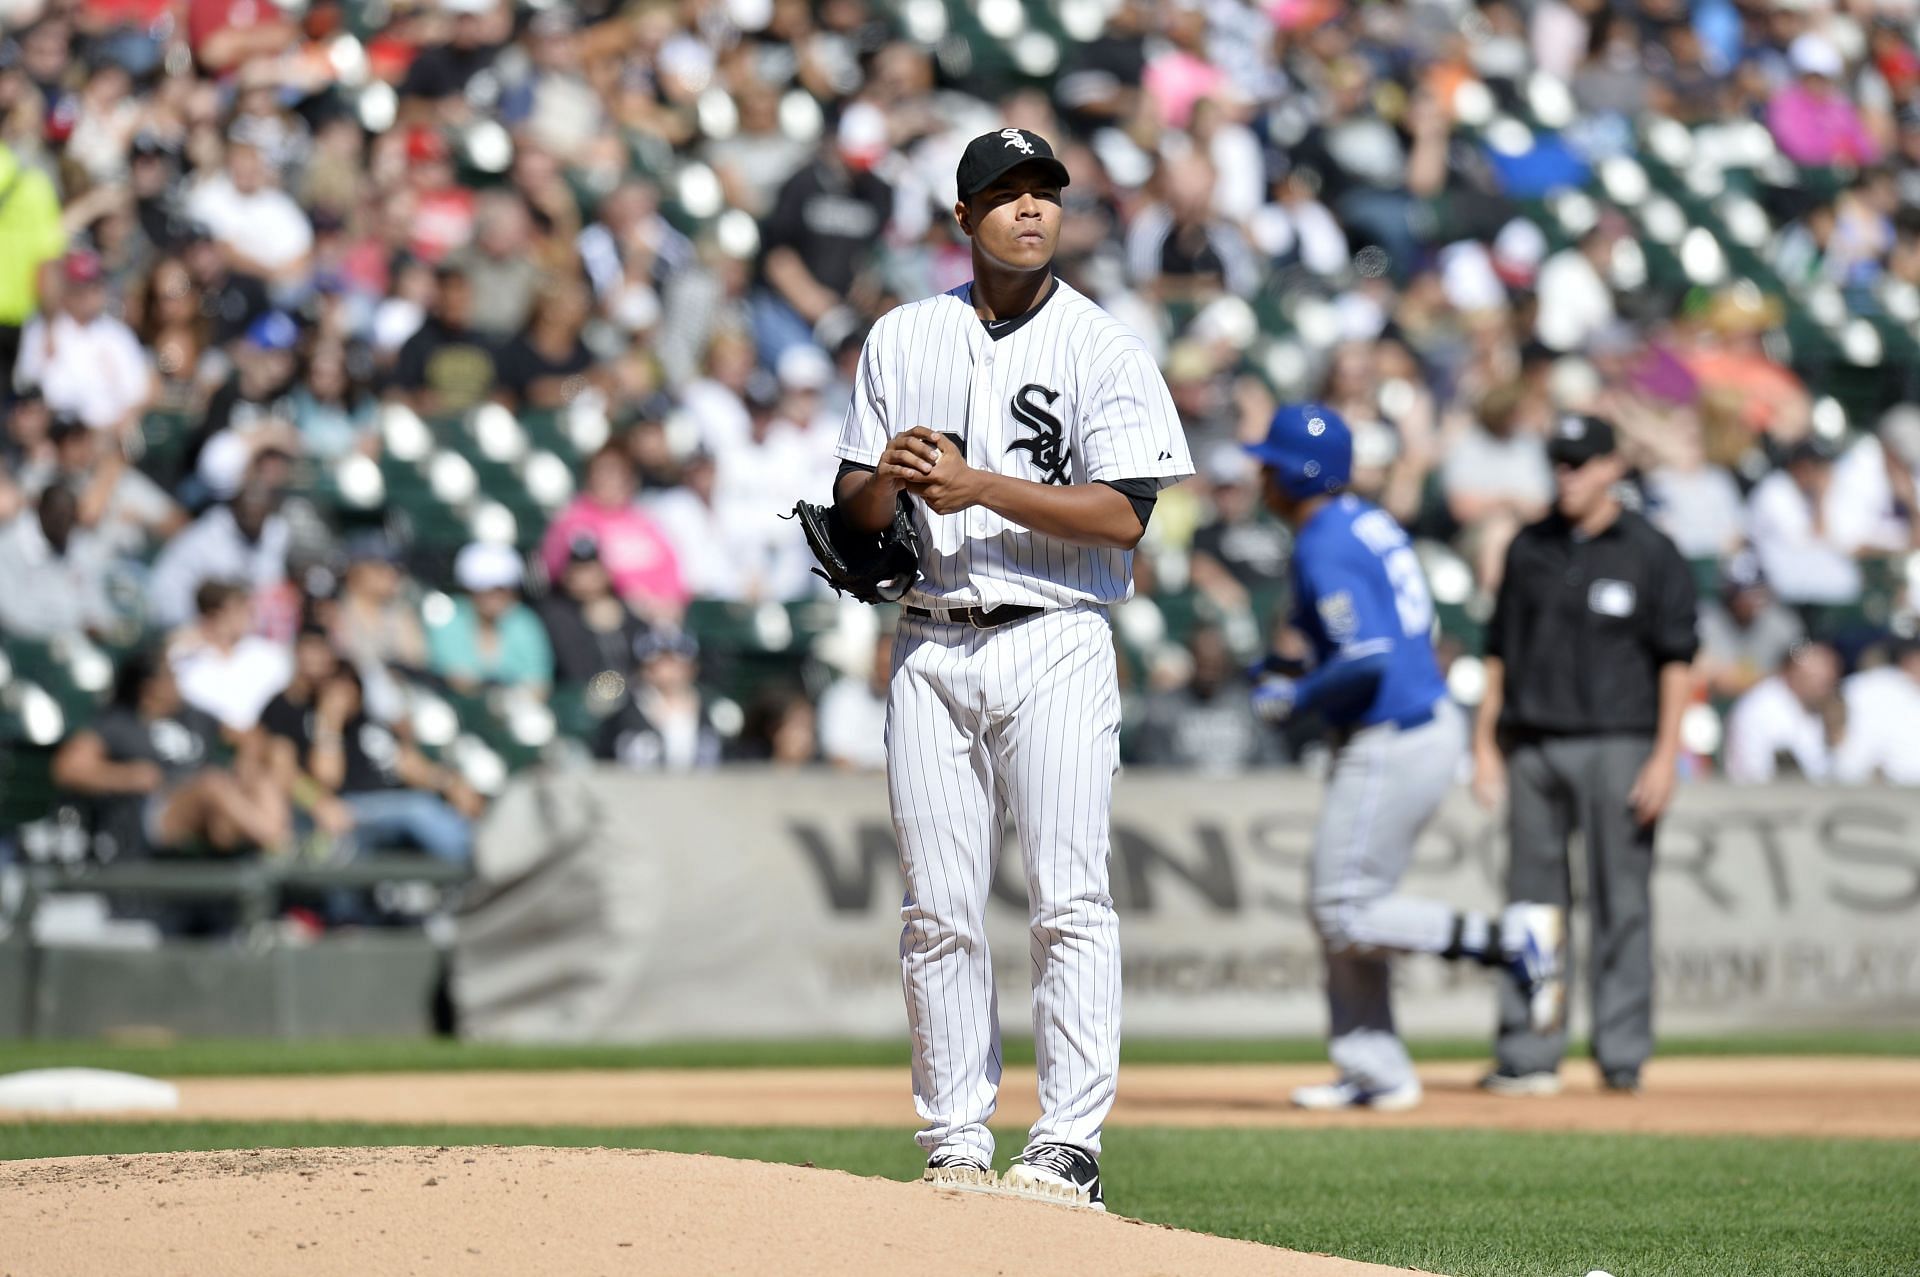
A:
(980, 618)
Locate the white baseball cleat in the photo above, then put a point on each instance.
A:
(959, 1171)
(1500, 1082)
(1346, 1094)
(1533, 939)
(1056, 1173)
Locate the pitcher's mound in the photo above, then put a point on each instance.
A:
(366, 1212)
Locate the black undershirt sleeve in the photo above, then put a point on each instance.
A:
(1141, 492)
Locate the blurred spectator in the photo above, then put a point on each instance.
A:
(1179, 248)
(1241, 550)
(371, 788)
(124, 509)
(1811, 119)
(251, 410)
(1208, 724)
(243, 540)
(1883, 722)
(229, 34)
(1575, 301)
(332, 410)
(1873, 501)
(1496, 480)
(1790, 515)
(374, 624)
(461, 44)
(1746, 632)
(633, 548)
(84, 360)
(490, 636)
(590, 629)
(223, 668)
(229, 301)
(263, 231)
(499, 267)
(1297, 227)
(30, 234)
(665, 724)
(853, 714)
(1694, 501)
(54, 572)
(1794, 720)
(446, 367)
(548, 365)
(779, 728)
(692, 522)
(148, 763)
(756, 482)
(824, 227)
(1726, 352)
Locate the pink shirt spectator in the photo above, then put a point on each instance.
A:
(1177, 80)
(637, 554)
(1819, 129)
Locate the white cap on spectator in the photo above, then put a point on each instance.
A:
(1518, 250)
(469, 8)
(486, 565)
(863, 133)
(1814, 54)
(1468, 278)
(804, 368)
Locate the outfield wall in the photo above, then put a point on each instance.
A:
(764, 904)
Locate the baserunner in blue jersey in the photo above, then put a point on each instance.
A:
(1360, 602)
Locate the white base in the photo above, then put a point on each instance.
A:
(85, 1091)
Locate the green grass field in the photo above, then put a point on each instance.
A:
(215, 1057)
(1466, 1203)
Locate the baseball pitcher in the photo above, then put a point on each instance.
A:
(1030, 432)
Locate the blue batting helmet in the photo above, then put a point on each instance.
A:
(1308, 448)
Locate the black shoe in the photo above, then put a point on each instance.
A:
(1058, 1172)
(958, 1170)
(1622, 1081)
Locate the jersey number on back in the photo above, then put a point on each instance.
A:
(1379, 533)
(1410, 597)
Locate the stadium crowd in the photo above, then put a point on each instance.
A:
(397, 392)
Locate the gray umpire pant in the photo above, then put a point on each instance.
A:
(1555, 785)
(1386, 785)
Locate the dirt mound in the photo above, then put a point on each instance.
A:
(451, 1211)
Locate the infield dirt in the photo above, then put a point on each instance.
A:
(1857, 1097)
(454, 1212)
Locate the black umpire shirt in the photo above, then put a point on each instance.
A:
(1584, 625)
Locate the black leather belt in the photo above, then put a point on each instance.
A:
(980, 618)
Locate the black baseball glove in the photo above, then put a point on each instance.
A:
(874, 567)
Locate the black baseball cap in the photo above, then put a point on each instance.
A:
(584, 547)
(1576, 440)
(991, 154)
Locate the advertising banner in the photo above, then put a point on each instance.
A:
(616, 907)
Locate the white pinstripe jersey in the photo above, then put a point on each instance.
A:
(1066, 394)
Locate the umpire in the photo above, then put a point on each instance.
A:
(1589, 657)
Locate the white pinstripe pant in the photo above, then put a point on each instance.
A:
(1022, 721)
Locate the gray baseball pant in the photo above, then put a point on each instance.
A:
(1555, 785)
(1386, 785)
